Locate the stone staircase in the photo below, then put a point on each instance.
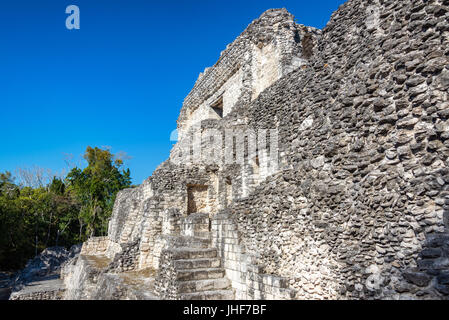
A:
(200, 275)
(194, 271)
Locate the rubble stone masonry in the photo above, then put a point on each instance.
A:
(359, 205)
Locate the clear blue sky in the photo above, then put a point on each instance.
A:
(120, 80)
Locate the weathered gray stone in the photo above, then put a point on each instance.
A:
(360, 111)
(421, 279)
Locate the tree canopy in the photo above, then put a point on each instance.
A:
(64, 212)
(95, 188)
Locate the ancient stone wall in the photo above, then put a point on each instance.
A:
(364, 137)
(82, 275)
(167, 286)
(365, 179)
(358, 206)
(248, 280)
(95, 246)
(127, 259)
(40, 295)
(171, 197)
(269, 48)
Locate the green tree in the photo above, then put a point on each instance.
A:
(95, 187)
(7, 186)
(35, 215)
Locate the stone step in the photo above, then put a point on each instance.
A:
(194, 253)
(203, 235)
(197, 263)
(208, 295)
(177, 241)
(203, 285)
(200, 274)
(197, 218)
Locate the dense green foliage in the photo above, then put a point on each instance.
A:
(64, 212)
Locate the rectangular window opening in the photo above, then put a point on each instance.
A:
(218, 107)
(197, 198)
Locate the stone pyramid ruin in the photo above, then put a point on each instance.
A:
(336, 182)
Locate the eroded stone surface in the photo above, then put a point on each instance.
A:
(358, 208)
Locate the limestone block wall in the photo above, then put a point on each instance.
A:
(124, 225)
(269, 48)
(139, 212)
(229, 93)
(166, 284)
(351, 211)
(265, 68)
(229, 182)
(80, 276)
(171, 222)
(95, 246)
(161, 212)
(195, 225)
(151, 229)
(247, 278)
(232, 91)
(138, 218)
(358, 208)
(225, 238)
(363, 178)
(40, 295)
(127, 259)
